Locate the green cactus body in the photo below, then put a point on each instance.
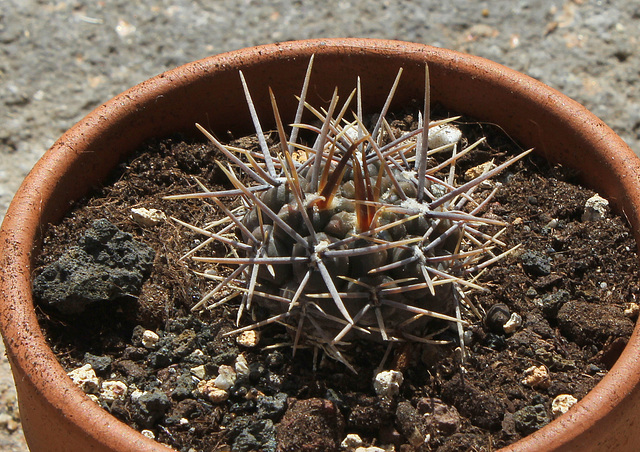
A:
(358, 237)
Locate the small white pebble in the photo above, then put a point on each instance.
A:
(552, 224)
(596, 208)
(479, 170)
(248, 338)
(124, 28)
(147, 217)
(199, 372)
(184, 421)
(112, 390)
(299, 156)
(562, 403)
(443, 135)
(226, 377)
(148, 434)
(86, 379)
(370, 449)
(150, 339)
(486, 184)
(537, 377)
(136, 394)
(241, 366)
(468, 337)
(351, 441)
(387, 383)
(632, 310)
(438, 190)
(209, 390)
(512, 324)
(352, 132)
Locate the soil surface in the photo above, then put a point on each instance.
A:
(573, 281)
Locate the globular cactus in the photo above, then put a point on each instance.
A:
(355, 235)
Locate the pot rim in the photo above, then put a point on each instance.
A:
(20, 235)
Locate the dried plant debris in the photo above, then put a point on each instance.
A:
(361, 233)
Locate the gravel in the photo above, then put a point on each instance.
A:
(59, 60)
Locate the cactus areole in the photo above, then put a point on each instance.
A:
(356, 232)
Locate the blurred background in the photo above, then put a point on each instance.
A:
(61, 59)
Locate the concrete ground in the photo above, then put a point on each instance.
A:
(60, 59)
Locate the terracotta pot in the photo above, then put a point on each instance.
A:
(57, 416)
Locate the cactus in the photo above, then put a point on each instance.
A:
(354, 235)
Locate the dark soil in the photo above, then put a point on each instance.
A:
(570, 281)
